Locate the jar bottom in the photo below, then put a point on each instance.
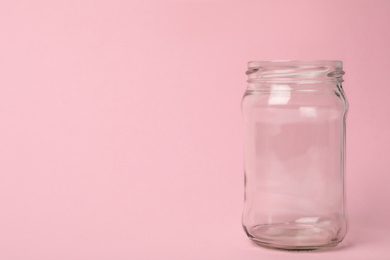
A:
(294, 236)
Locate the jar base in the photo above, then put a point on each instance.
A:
(294, 236)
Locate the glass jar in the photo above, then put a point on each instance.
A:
(294, 137)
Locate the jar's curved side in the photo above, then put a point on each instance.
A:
(343, 157)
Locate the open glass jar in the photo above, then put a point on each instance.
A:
(294, 115)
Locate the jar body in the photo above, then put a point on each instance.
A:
(294, 139)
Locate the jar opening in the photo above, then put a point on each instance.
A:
(294, 70)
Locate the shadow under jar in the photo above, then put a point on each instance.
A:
(294, 138)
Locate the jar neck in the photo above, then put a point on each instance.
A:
(294, 86)
(294, 72)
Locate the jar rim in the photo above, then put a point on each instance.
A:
(298, 63)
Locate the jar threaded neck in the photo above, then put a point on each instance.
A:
(295, 71)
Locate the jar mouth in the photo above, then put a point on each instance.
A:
(295, 70)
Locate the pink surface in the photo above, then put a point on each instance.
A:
(121, 129)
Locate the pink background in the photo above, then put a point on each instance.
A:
(121, 129)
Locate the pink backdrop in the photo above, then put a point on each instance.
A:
(121, 129)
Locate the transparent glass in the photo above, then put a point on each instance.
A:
(294, 116)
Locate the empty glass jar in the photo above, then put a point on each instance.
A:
(294, 115)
